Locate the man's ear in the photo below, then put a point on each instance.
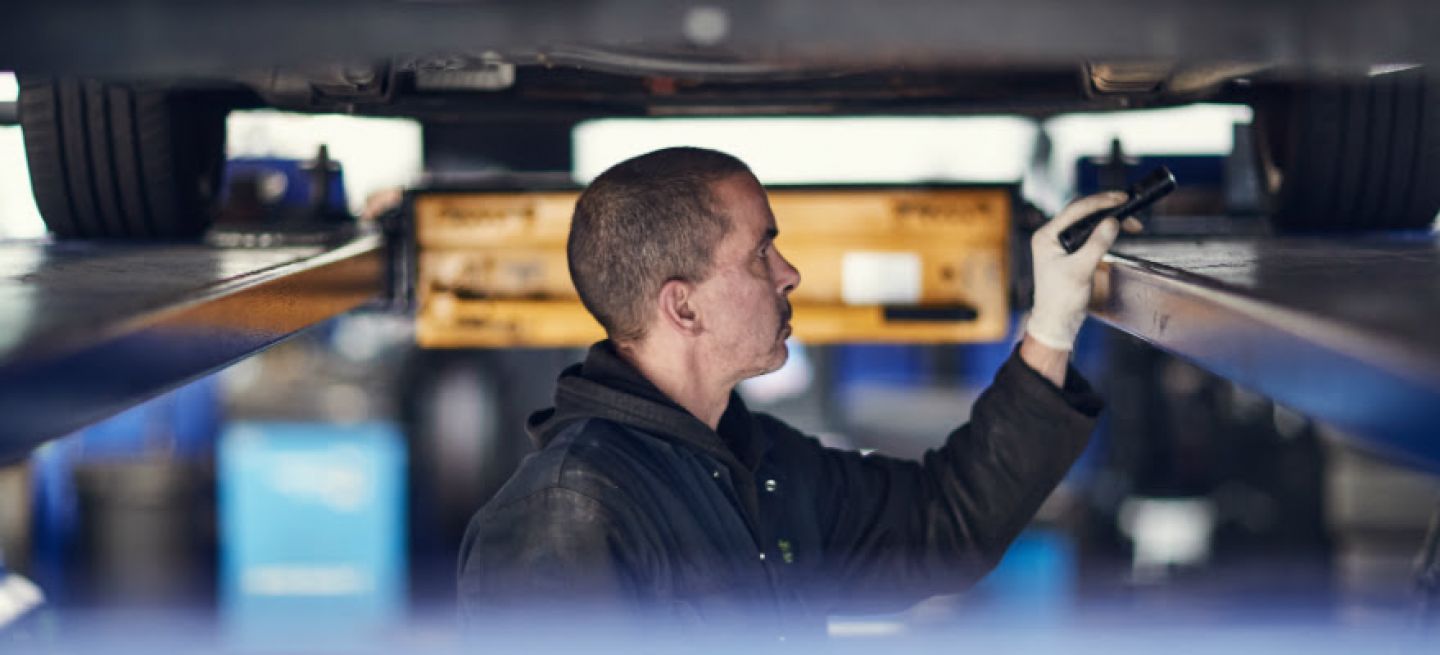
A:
(677, 306)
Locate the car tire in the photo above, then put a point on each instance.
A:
(1352, 155)
(119, 161)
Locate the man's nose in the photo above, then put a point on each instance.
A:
(789, 275)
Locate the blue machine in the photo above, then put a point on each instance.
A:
(312, 522)
(271, 193)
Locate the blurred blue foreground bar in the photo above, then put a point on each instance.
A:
(312, 520)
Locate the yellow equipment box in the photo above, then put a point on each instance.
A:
(877, 264)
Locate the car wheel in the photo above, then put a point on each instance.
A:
(1352, 155)
(120, 161)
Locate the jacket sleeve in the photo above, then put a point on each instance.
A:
(546, 554)
(895, 532)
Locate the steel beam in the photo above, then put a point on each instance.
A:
(1343, 331)
(87, 330)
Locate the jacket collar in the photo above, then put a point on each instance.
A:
(606, 386)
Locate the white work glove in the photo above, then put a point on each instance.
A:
(1062, 280)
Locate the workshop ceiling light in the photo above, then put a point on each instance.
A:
(896, 150)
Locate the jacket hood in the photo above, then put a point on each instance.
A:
(605, 386)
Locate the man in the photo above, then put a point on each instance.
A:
(656, 494)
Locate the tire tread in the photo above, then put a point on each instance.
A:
(120, 161)
(1358, 155)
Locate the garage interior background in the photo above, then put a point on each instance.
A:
(1199, 502)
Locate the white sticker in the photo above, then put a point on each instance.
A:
(880, 278)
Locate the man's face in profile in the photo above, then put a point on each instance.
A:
(746, 297)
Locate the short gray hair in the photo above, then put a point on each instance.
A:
(644, 222)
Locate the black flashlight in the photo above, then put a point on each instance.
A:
(1144, 193)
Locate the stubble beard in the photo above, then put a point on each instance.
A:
(779, 352)
(786, 313)
(782, 333)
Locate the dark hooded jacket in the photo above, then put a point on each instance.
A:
(634, 503)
